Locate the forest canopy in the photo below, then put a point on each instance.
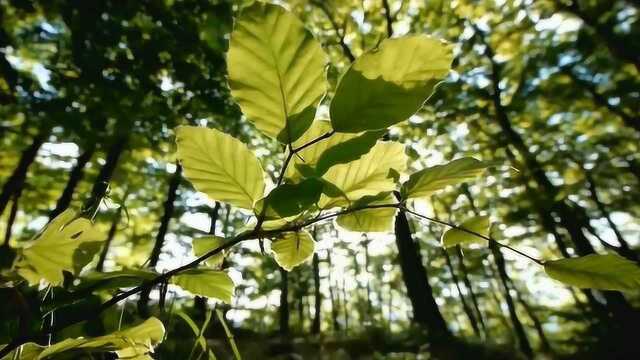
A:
(319, 179)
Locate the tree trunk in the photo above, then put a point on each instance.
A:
(315, 326)
(75, 176)
(425, 310)
(465, 306)
(200, 302)
(111, 162)
(332, 296)
(12, 217)
(17, 178)
(283, 309)
(544, 342)
(110, 236)
(472, 294)
(523, 341)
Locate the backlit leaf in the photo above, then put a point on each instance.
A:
(370, 220)
(387, 85)
(276, 71)
(206, 282)
(427, 181)
(220, 166)
(292, 249)
(291, 199)
(204, 244)
(604, 272)
(477, 224)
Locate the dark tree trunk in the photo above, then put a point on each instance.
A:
(472, 294)
(425, 310)
(75, 176)
(12, 217)
(17, 178)
(523, 341)
(111, 162)
(315, 326)
(334, 301)
(345, 311)
(544, 342)
(112, 233)
(465, 306)
(283, 309)
(200, 302)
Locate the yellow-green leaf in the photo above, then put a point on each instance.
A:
(604, 272)
(220, 166)
(292, 249)
(206, 282)
(477, 224)
(372, 174)
(427, 181)
(52, 251)
(370, 220)
(389, 84)
(276, 71)
(203, 245)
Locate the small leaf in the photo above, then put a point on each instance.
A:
(291, 199)
(56, 248)
(206, 282)
(370, 220)
(292, 249)
(220, 166)
(604, 272)
(477, 224)
(427, 181)
(369, 175)
(276, 71)
(204, 244)
(389, 84)
(115, 279)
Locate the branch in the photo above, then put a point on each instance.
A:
(388, 16)
(340, 34)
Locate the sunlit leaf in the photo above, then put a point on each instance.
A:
(604, 272)
(204, 244)
(52, 251)
(427, 181)
(276, 71)
(347, 151)
(292, 249)
(477, 224)
(220, 166)
(370, 220)
(372, 174)
(206, 282)
(291, 199)
(389, 84)
(115, 279)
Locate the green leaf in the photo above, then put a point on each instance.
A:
(292, 249)
(291, 199)
(347, 151)
(206, 282)
(276, 71)
(204, 244)
(427, 181)
(604, 272)
(370, 220)
(369, 175)
(477, 224)
(130, 343)
(52, 251)
(115, 279)
(389, 84)
(220, 166)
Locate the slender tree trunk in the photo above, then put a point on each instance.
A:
(334, 301)
(12, 217)
(284, 302)
(107, 170)
(544, 342)
(425, 309)
(523, 341)
(472, 294)
(112, 233)
(17, 178)
(465, 306)
(200, 302)
(345, 302)
(75, 176)
(315, 326)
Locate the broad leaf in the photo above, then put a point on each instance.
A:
(206, 282)
(389, 84)
(53, 250)
(292, 249)
(370, 220)
(309, 156)
(291, 199)
(135, 342)
(220, 166)
(276, 71)
(372, 174)
(604, 272)
(477, 224)
(115, 279)
(347, 151)
(427, 181)
(203, 245)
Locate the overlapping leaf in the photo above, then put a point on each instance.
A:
(290, 199)
(204, 244)
(206, 282)
(389, 84)
(276, 71)
(425, 182)
(604, 272)
(370, 220)
(478, 224)
(220, 166)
